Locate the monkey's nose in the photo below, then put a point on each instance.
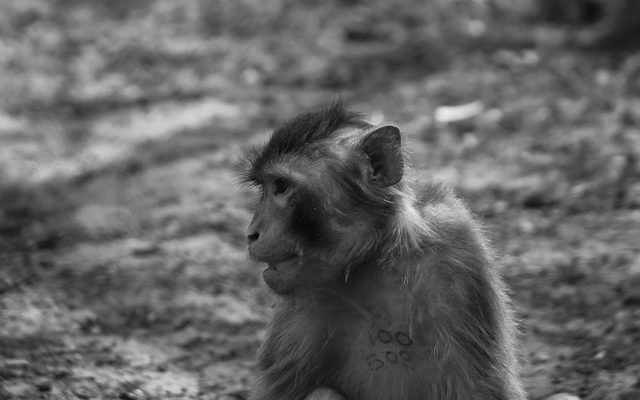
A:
(252, 237)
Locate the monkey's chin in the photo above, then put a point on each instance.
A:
(281, 276)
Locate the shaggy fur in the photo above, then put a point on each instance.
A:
(418, 309)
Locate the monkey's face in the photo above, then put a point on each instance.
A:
(321, 201)
(293, 234)
(270, 239)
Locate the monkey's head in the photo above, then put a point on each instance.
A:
(326, 182)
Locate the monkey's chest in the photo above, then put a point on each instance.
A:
(383, 360)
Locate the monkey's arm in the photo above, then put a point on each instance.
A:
(325, 394)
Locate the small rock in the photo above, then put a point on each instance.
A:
(540, 357)
(59, 373)
(84, 392)
(43, 384)
(143, 249)
(452, 114)
(135, 394)
(563, 396)
(600, 355)
(527, 227)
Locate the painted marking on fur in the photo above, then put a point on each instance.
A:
(386, 352)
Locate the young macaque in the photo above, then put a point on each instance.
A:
(387, 289)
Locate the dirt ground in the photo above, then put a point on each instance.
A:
(123, 270)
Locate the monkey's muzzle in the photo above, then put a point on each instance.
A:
(281, 275)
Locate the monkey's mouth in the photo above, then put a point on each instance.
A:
(279, 266)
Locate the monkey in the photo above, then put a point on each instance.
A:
(386, 287)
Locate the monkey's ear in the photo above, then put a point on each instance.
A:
(382, 145)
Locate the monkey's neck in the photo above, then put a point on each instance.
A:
(371, 288)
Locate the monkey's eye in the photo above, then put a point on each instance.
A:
(280, 186)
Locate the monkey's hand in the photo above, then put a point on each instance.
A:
(324, 394)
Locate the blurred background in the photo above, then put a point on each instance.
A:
(123, 270)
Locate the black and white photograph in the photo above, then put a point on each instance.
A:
(319, 200)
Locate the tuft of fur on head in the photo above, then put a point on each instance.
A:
(299, 137)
